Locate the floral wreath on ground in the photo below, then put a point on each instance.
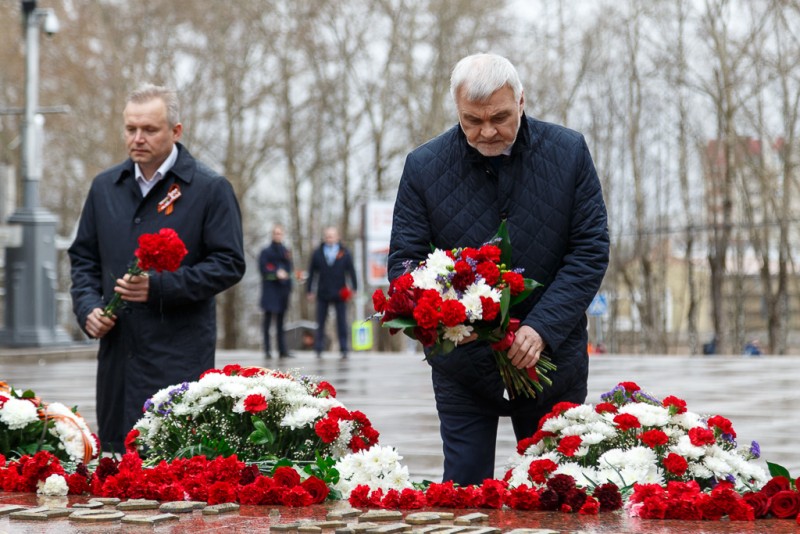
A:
(654, 458)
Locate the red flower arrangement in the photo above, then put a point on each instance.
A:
(460, 295)
(161, 251)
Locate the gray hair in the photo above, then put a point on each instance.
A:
(482, 75)
(150, 91)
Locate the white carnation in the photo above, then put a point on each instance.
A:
(18, 413)
(55, 485)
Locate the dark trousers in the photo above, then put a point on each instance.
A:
(341, 324)
(469, 439)
(279, 334)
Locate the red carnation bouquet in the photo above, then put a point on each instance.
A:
(454, 296)
(161, 251)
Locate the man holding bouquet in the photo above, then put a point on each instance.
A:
(497, 164)
(165, 332)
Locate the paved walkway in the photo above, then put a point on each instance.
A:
(759, 395)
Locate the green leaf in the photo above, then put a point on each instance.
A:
(778, 470)
(447, 346)
(505, 243)
(505, 304)
(400, 322)
(261, 435)
(530, 285)
(27, 394)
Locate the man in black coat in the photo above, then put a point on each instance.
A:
(275, 265)
(166, 331)
(498, 164)
(330, 269)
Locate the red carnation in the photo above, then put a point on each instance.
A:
(327, 429)
(345, 294)
(159, 252)
(539, 470)
(130, 440)
(590, 506)
(402, 283)
(515, 282)
(379, 300)
(464, 275)
(426, 315)
(453, 313)
(426, 336)
(522, 498)
(489, 253)
(569, 444)
(489, 309)
(605, 407)
(723, 424)
(608, 496)
(676, 464)
(489, 272)
(297, 497)
(255, 403)
(701, 436)
(220, 492)
(325, 389)
(629, 387)
(626, 421)
(400, 304)
(674, 404)
(654, 438)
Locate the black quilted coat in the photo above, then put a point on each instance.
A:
(549, 192)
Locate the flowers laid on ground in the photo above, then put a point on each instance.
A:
(255, 413)
(632, 437)
(28, 425)
(455, 295)
(161, 251)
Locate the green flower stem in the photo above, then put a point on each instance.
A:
(116, 301)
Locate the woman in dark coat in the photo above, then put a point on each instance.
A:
(275, 264)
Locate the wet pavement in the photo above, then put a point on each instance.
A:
(759, 395)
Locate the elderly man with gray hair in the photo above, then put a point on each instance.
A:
(499, 164)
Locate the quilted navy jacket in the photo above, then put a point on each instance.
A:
(547, 189)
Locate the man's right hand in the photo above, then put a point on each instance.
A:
(97, 324)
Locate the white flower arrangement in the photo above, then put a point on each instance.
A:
(378, 467)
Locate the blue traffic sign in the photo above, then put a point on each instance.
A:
(599, 305)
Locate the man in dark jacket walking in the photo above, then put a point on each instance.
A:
(330, 269)
(498, 164)
(166, 331)
(275, 265)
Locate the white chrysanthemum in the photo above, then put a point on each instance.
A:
(698, 470)
(54, 485)
(684, 447)
(555, 424)
(647, 414)
(593, 438)
(472, 299)
(583, 412)
(18, 413)
(635, 456)
(438, 261)
(378, 467)
(457, 333)
(583, 476)
(574, 430)
(688, 420)
(603, 428)
(426, 278)
(301, 417)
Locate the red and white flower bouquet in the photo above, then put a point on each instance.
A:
(455, 295)
(632, 438)
(258, 414)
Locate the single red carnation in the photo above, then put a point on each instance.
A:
(411, 499)
(561, 483)
(605, 407)
(608, 496)
(758, 502)
(489, 253)
(345, 293)
(220, 492)
(426, 315)
(653, 508)
(540, 470)
(297, 497)
(402, 283)
(654, 438)
(463, 276)
(515, 281)
(453, 313)
(683, 510)
(629, 387)
(575, 498)
(723, 424)
(675, 404)
(699, 436)
(489, 309)
(522, 498)
(590, 507)
(255, 403)
(489, 272)
(325, 389)
(379, 300)
(130, 440)
(626, 421)
(569, 444)
(327, 429)
(676, 464)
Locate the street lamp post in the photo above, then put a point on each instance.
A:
(30, 277)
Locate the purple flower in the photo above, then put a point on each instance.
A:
(755, 449)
